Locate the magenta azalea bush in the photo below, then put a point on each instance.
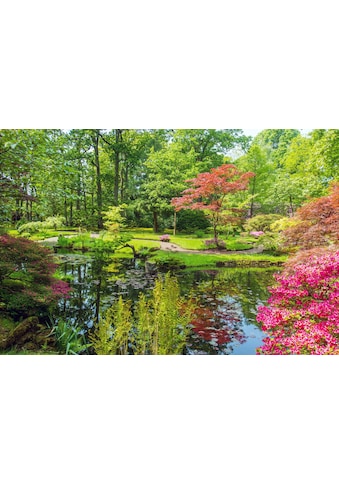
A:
(165, 238)
(303, 312)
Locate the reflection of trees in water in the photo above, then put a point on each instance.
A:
(218, 326)
(97, 283)
(224, 300)
(224, 297)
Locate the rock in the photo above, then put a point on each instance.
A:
(22, 332)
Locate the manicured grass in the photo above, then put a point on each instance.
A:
(238, 243)
(143, 233)
(138, 244)
(188, 242)
(198, 260)
(40, 236)
(185, 241)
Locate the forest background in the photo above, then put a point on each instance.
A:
(79, 174)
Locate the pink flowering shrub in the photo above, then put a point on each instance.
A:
(215, 243)
(303, 312)
(257, 233)
(165, 238)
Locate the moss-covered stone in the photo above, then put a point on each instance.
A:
(27, 335)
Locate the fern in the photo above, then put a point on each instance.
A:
(160, 325)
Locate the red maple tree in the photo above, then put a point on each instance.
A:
(209, 190)
(317, 222)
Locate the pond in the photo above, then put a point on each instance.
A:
(227, 299)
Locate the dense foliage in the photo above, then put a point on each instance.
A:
(303, 312)
(316, 222)
(27, 283)
(79, 174)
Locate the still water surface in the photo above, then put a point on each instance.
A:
(227, 298)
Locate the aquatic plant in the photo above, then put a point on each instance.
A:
(68, 339)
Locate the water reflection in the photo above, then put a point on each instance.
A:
(226, 299)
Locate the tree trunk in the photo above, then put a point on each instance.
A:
(174, 223)
(135, 254)
(215, 221)
(126, 182)
(291, 207)
(118, 140)
(65, 211)
(155, 222)
(252, 199)
(95, 139)
(71, 214)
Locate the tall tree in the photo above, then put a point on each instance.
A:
(209, 146)
(255, 161)
(208, 192)
(166, 171)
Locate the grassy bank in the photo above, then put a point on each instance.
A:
(200, 260)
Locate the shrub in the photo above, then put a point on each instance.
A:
(261, 222)
(189, 221)
(53, 222)
(26, 275)
(282, 224)
(303, 312)
(30, 227)
(257, 233)
(215, 243)
(64, 242)
(165, 238)
(270, 241)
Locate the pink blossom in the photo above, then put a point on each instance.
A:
(303, 312)
(165, 238)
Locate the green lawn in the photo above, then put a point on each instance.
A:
(198, 260)
(190, 241)
(138, 244)
(145, 237)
